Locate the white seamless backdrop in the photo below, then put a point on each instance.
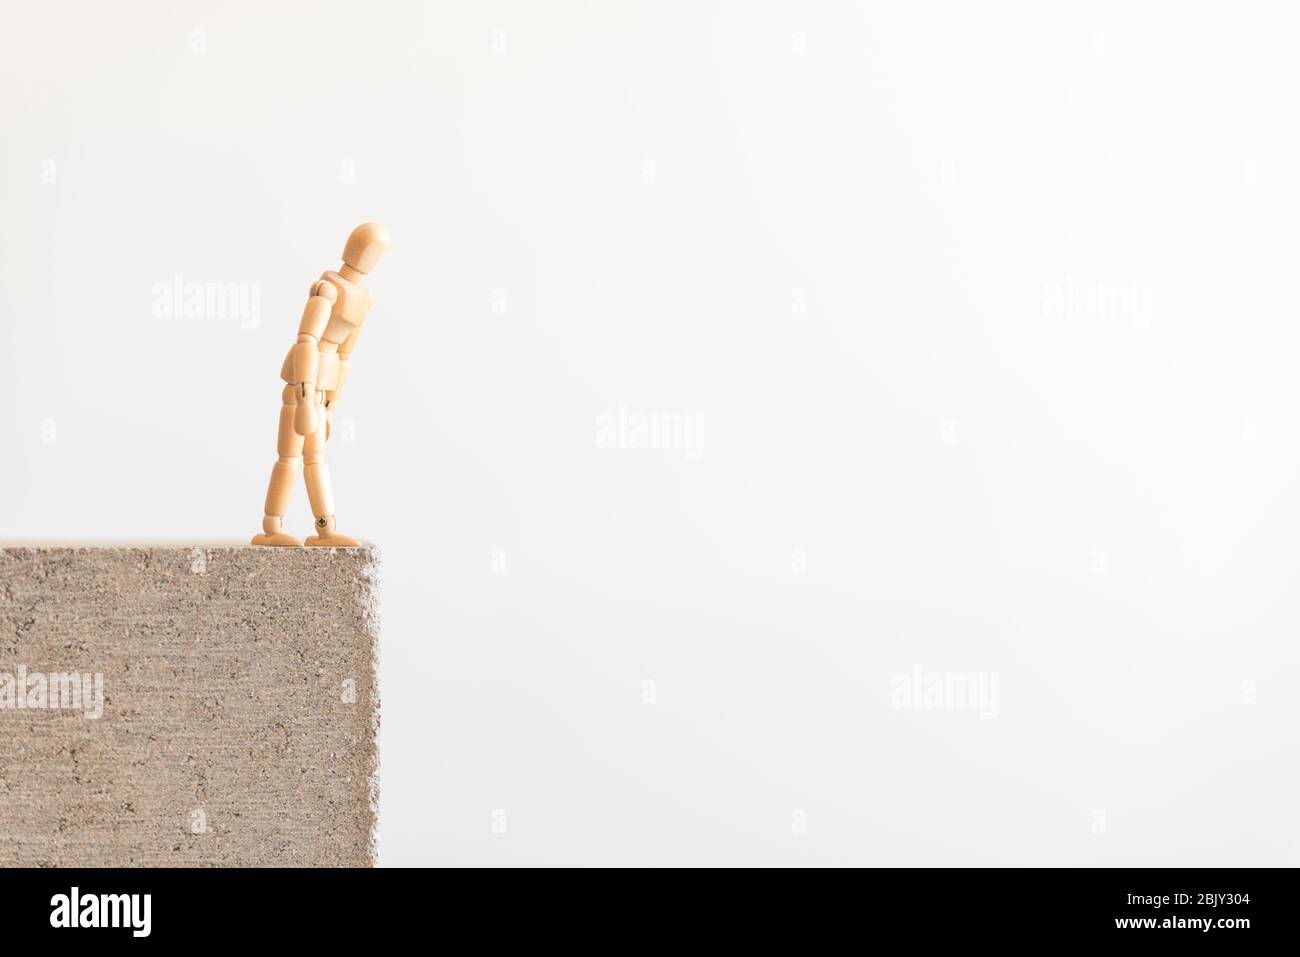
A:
(797, 432)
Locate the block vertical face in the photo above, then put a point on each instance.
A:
(179, 706)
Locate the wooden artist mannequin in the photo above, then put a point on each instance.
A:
(315, 370)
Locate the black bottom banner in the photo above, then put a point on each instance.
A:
(1229, 908)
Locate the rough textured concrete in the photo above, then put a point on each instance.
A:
(240, 710)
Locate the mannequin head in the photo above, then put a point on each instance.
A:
(365, 247)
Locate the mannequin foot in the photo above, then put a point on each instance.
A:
(283, 539)
(326, 536)
(273, 534)
(333, 540)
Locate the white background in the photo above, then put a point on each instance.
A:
(988, 314)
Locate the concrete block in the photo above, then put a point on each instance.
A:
(182, 706)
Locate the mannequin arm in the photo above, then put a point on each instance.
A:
(306, 355)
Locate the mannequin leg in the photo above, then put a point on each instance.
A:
(319, 489)
(289, 447)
